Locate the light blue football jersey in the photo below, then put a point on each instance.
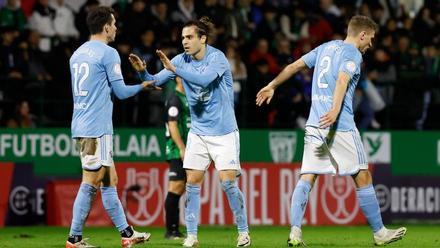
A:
(329, 59)
(93, 67)
(208, 87)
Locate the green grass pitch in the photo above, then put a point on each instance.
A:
(209, 236)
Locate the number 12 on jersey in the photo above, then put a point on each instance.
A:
(83, 71)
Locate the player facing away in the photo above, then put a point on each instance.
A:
(177, 126)
(213, 136)
(332, 144)
(96, 74)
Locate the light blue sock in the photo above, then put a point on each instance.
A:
(81, 207)
(298, 205)
(114, 208)
(237, 204)
(192, 208)
(369, 205)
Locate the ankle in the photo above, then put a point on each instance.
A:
(74, 238)
(127, 232)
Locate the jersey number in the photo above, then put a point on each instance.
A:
(83, 69)
(324, 66)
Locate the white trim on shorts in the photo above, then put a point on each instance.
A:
(333, 152)
(224, 150)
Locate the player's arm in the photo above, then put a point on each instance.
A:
(203, 79)
(141, 67)
(177, 138)
(266, 93)
(123, 91)
(338, 97)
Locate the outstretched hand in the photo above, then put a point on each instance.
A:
(138, 64)
(146, 85)
(265, 95)
(165, 61)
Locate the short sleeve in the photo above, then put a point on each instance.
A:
(351, 63)
(310, 57)
(173, 108)
(112, 64)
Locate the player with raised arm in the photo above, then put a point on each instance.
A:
(332, 144)
(213, 136)
(96, 74)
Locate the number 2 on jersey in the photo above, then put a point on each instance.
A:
(324, 66)
(83, 69)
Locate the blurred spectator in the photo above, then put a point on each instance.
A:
(12, 15)
(162, 21)
(10, 66)
(80, 19)
(383, 73)
(147, 51)
(238, 69)
(23, 118)
(283, 55)
(185, 11)
(37, 62)
(64, 22)
(136, 20)
(261, 51)
(42, 20)
(269, 26)
(292, 23)
(235, 22)
(424, 27)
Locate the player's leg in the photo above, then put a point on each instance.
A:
(196, 162)
(225, 151)
(110, 198)
(316, 160)
(370, 207)
(176, 187)
(92, 175)
(192, 206)
(237, 204)
(351, 158)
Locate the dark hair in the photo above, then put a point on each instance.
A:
(204, 26)
(359, 23)
(98, 17)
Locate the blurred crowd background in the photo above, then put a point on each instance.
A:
(399, 87)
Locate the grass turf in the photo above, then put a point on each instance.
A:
(209, 236)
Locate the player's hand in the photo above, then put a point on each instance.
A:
(146, 85)
(265, 95)
(138, 64)
(328, 118)
(165, 61)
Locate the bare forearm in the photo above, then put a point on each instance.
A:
(175, 135)
(288, 72)
(339, 93)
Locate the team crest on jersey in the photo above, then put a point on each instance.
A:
(351, 66)
(117, 69)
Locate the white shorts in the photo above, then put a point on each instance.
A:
(95, 152)
(333, 152)
(224, 150)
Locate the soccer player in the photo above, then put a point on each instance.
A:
(96, 74)
(177, 126)
(207, 79)
(332, 144)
